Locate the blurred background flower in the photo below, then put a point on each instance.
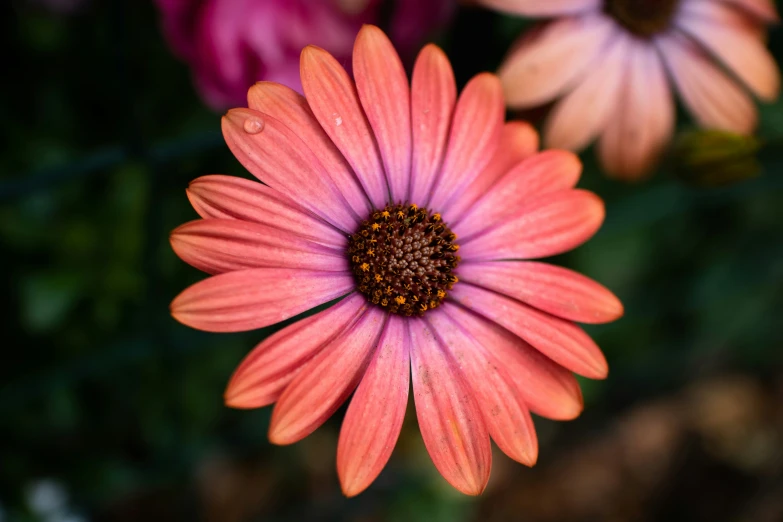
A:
(230, 44)
(610, 64)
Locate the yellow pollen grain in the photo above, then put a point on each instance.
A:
(376, 226)
(388, 290)
(370, 252)
(365, 267)
(414, 206)
(436, 217)
(400, 214)
(385, 214)
(378, 278)
(441, 294)
(400, 300)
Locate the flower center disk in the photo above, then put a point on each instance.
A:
(643, 18)
(403, 259)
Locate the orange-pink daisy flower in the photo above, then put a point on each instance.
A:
(611, 62)
(415, 209)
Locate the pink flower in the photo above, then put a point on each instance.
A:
(230, 44)
(610, 63)
(372, 190)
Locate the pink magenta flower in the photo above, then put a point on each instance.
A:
(416, 209)
(610, 63)
(231, 44)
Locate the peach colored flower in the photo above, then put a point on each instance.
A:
(419, 211)
(611, 62)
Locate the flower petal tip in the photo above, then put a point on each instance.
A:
(351, 485)
(473, 489)
(236, 402)
(279, 435)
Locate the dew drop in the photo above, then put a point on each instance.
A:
(337, 119)
(253, 125)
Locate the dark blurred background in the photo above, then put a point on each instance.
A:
(110, 411)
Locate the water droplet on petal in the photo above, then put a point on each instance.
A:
(337, 119)
(253, 125)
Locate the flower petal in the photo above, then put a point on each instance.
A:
(433, 96)
(222, 245)
(250, 299)
(547, 388)
(505, 414)
(277, 156)
(762, 9)
(518, 141)
(231, 197)
(386, 99)
(451, 423)
(548, 171)
(474, 137)
(291, 108)
(560, 340)
(549, 225)
(327, 380)
(714, 99)
(644, 117)
(374, 418)
(548, 60)
(536, 8)
(333, 99)
(550, 288)
(581, 115)
(734, 43)
(266, 371)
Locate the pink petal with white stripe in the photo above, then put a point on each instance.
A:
(735, 45)
(250, 299)
(474, 137)
(545, 172)
(550, 288)
(385, 95)
(518, 140)
(546, 388)
(549, 225)
(327, 380)
(581, 115)
(643, 122)
(230, 197)
(714, 99)
(222, 245)
(277, 156)
(548, 60)
(560, 340)
(505, 414)
(273, 363)
(433, 96)
(332, 97)
(374, 418)
(536, 8)
(450, 420)
(291, 108)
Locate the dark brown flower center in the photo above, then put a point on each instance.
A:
(643, 18)
(403, 259)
